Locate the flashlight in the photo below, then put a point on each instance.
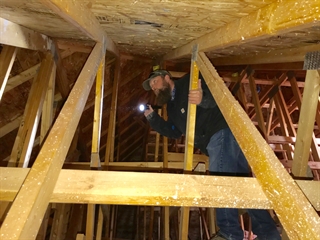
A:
(143, 107)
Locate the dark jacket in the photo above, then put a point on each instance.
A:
(209, 119)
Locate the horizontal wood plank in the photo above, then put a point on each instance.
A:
(132, 188)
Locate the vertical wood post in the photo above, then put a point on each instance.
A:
(189, 146)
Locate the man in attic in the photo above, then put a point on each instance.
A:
(213, 137)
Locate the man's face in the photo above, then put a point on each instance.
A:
(161, 89)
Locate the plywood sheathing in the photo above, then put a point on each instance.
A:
(30, 14)
(154, 28)
(149, 26)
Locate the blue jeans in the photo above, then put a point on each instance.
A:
(226, 158)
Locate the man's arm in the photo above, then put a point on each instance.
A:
(165, 128)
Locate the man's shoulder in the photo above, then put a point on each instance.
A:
(183, 80)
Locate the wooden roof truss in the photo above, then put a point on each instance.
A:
(32, 190)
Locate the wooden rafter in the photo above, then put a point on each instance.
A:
(278, 17)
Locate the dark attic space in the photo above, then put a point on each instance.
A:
(230, 135)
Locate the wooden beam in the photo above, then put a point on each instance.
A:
(100, 223)
(60, 221)
(189, 141)
(109, 156)
(286, 114)
(79, 16)
(298, 97)
(191, 118)
(269, 93)
(172, 164)
(257, 107)
(272, 56)
(306, 122)
(47, 108)
(31, 72)
(270, 113)
(7, 57)
(275, 18)
(166, 210)
(282, 121)
(74, 46)
(157, 141)
(15, 35)
(313, 165)
(90, 221)
(14, 124)
(97, 116)
(23, 144)
(31, 202)
(22, 77)
(153, 189)
(294, 211)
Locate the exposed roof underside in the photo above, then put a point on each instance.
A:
(154, 28)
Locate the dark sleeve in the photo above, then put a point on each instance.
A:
(165, 128)
(207, 98)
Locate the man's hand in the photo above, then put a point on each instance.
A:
(195, 96)
(148, 110)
